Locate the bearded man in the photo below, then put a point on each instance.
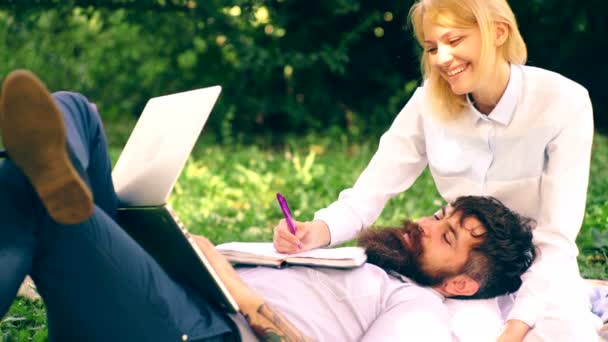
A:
(473, 248)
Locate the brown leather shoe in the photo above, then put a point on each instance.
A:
(34, 136)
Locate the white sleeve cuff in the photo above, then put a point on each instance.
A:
(526, 310)
(340, 222)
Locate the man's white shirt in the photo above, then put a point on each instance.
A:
(361, 304)
(532, 152)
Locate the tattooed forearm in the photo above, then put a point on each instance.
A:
(269, 325)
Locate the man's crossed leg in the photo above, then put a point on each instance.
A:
(57, 223)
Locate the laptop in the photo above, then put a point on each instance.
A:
(144, 177)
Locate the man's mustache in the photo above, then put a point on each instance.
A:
(388, 248)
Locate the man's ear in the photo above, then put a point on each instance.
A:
(501, 33)
(460, 285)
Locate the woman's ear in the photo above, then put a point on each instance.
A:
(501, 33)
(460, 285)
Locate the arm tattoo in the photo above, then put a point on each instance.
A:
(269, 325)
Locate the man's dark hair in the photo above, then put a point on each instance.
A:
(506, 250)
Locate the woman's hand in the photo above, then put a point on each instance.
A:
(309, 235)
(514, 331)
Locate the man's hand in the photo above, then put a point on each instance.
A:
(514, 331)
(309, 235)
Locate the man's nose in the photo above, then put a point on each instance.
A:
(426, 226)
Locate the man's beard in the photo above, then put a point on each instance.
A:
(387, 249)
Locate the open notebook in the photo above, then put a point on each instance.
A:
(264, 254)
(144, 176)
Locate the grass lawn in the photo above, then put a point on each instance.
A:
(228, 193)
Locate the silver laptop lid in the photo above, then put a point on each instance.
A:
(159, 146)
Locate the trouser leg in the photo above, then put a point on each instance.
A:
(88, 153)
(97, 283)
(17, 240)
(88, 148)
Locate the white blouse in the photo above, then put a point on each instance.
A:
(532, 152)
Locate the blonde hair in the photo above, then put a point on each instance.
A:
(465, 14)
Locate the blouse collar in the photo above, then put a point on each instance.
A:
(505, 109)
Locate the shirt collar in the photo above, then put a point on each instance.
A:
(407, 280)
(505, 109)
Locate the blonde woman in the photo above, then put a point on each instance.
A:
(484, 124)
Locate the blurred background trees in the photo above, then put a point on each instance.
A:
(287, 66)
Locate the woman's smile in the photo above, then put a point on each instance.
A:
(453, 74)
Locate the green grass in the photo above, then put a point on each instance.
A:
(227, 193)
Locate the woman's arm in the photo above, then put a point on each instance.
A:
(399, 160)
(563, 195)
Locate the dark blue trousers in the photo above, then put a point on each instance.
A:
(97, 283)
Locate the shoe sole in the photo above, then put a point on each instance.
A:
(34, 136)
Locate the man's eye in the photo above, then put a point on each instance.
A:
(445, 238)
(439, 214)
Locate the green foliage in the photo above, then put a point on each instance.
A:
(566, 36)
(593, 237)
(25, 321)
(285, 65)
(228, 193)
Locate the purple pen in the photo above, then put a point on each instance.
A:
(286, 213)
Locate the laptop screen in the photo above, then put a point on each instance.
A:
(160, 144)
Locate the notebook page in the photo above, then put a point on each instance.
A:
(332, 253)
(265, 249)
